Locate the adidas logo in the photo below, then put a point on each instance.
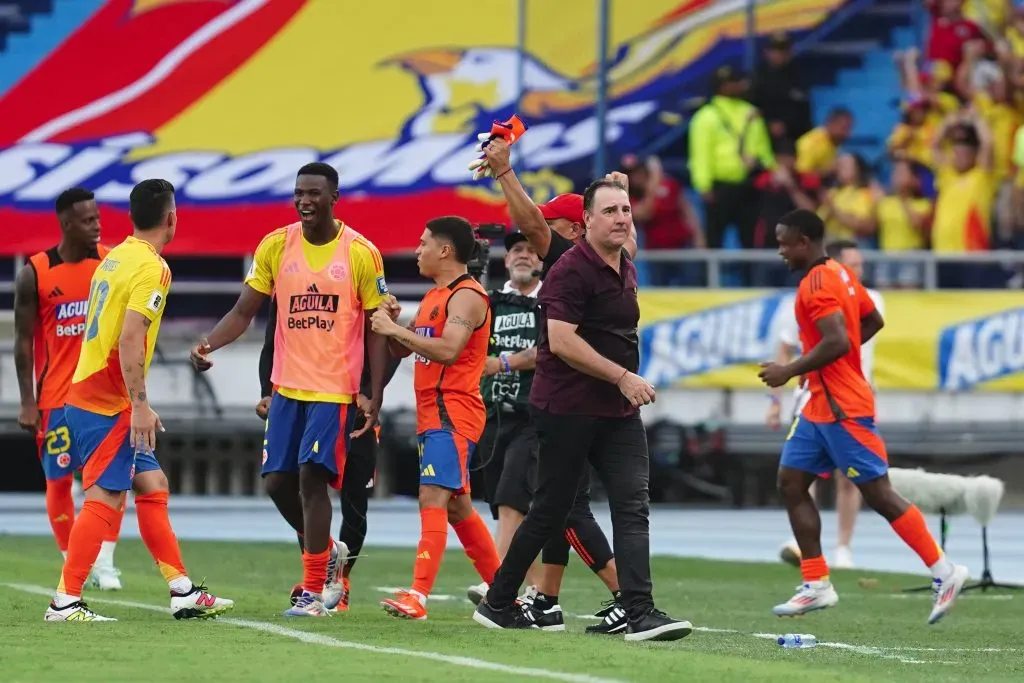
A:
(428, 471)
(292, 267)
(55, 293)
(312, 289)
(616, 615)
(425, 555)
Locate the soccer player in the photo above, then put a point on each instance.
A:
(449, 336)
(50, 298)
(326, 279)
(360, 463)
(108, 412)
(837, 429)
(848, 498)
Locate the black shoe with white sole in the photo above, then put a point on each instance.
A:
(512, 617)
(656, 625)
(613, 619)
(544, 613)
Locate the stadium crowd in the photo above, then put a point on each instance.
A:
(951, 179)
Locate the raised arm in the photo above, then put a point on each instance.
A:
(521, 209)
(467, 311)
(26, 311)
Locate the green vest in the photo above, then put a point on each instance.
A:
(514, 328)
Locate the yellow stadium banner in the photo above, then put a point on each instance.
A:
(937, 341)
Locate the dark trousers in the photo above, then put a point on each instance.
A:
(734, 204)
(617, 448)
(509, 449)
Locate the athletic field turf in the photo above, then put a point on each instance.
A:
(874, 634)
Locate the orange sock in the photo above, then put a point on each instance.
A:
(156, 532)
(314, 570)
(476, 539)
(115, 529)
(433, 539)
(84, 545)
(60, 508)
(814, 569)
(911, 527)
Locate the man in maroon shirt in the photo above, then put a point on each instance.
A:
(585, 400)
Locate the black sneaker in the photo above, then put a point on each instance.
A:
(512, 616)
(545, 615)
(613, 619)
(656, 625)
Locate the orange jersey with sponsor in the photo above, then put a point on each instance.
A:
(838, 390)
(62, 290)
(448, 396)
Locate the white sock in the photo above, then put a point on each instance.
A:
(942, 569)
(419, 596)
(64, 554)
(106, 556)
(181, 585)
(62, 600)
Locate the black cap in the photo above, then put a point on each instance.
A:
(513, 238)
(726, 74)
(780, 40)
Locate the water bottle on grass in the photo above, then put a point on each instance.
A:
(798, 640)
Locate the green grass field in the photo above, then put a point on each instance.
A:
(870, 636)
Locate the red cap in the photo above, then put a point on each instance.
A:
(567, 206)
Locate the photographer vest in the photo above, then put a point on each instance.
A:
(514, 328)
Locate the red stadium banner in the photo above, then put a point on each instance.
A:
(228, 98)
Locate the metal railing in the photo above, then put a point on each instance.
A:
(714, 260)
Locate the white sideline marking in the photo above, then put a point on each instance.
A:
(318, 639)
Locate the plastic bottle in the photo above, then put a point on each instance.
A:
(798, 640)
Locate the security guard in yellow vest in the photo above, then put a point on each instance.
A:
(729, 143)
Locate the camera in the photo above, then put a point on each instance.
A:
(477, 265)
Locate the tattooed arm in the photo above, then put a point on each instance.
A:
(467, 311)
(132, 350)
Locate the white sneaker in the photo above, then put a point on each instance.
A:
(76, 611)
(334, 589)
(809, 597)
(308, 605)
(945, 592)
(790, 553)
(106, 578)
(843, 559)
(198, 604)
(477, 593)
(528, 596)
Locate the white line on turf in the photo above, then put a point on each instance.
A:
(319, 639)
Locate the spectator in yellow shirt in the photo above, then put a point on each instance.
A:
(993, 99)
(912, 138)
(963, 211)
(904, 218)
(849, 209)
(817, 150)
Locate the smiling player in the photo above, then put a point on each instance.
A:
(50, 298)
(836, 428)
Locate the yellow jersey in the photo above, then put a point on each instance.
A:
(815, 152)
(896, 231)
(856, 201)
(365, 264)
(132, 277)
(963, 211)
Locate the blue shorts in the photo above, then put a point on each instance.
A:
(58, 457)
(299, 432)
(103, 445)
(852, 446)
(444, 459)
